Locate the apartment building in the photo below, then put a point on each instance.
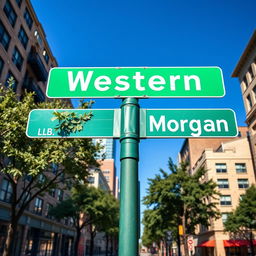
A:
(26, 56)
(24, 52)
(230, 165)
(245, 70)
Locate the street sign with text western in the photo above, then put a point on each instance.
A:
(167, 123)
(138, 82)
(104, 123)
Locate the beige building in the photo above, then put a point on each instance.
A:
(246, 72)
(98, 180)
(230, 165)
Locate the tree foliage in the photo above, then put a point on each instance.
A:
(176, 197)
(27, 163)
(88, 205)
(242, 221)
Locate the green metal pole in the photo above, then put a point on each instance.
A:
(129, 157)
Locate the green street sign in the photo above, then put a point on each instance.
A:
(166, 123)
(104, 123)
(139, 82)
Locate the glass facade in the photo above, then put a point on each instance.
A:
(108, 151)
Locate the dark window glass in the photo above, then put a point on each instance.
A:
(4, 36)
(17, 58)
(60, 195)
(225, 200)
(46, 56)
(91, 180)
(245, 81)
(28, 18)
(1, 65)
(52, 192)
(221, 168)
(243, 183)
(38, 208)
(23, 37)
(10, 13)
(48, 208)
(223, 183)
(6, 191)
(240, 168)
(254, 92)
(19, 2)
(249, 102)
(10, 78)
(250, 72)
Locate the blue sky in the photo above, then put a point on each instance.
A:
(118, 33)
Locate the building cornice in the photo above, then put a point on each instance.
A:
(243, 59)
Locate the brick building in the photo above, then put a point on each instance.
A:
(26, 56)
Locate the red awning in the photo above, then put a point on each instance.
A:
(210, 243)
(237, 243)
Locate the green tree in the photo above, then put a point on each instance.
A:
(180, 198)
(27, 163)
(87, 206)
(242, 221)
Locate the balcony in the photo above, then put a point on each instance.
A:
(37, 66)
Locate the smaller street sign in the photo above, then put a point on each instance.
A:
(167, 123)
(190, 241)
(104, 123)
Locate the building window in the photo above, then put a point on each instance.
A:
(243, 183)
(23, 37)
(10, 77)
(38, 209)
(10, 13)
(254, 92)
(249, 102)
(91, 180)
(48, 208)
(46, 56)
(28, 18)
(19, 2)
(17, 58)
(4, 36)
(241, 168)
(6, 191)
(222, 183)
(60, 195)
(38, 37)
(52, 192)
(245, 82)
(250, 73)
(225, 200)
(224, 217)
(221, 167)
(106, 172)
(1, 65)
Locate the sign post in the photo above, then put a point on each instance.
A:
(130, 84)
(129, 157)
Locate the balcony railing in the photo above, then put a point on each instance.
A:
(37, 65)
